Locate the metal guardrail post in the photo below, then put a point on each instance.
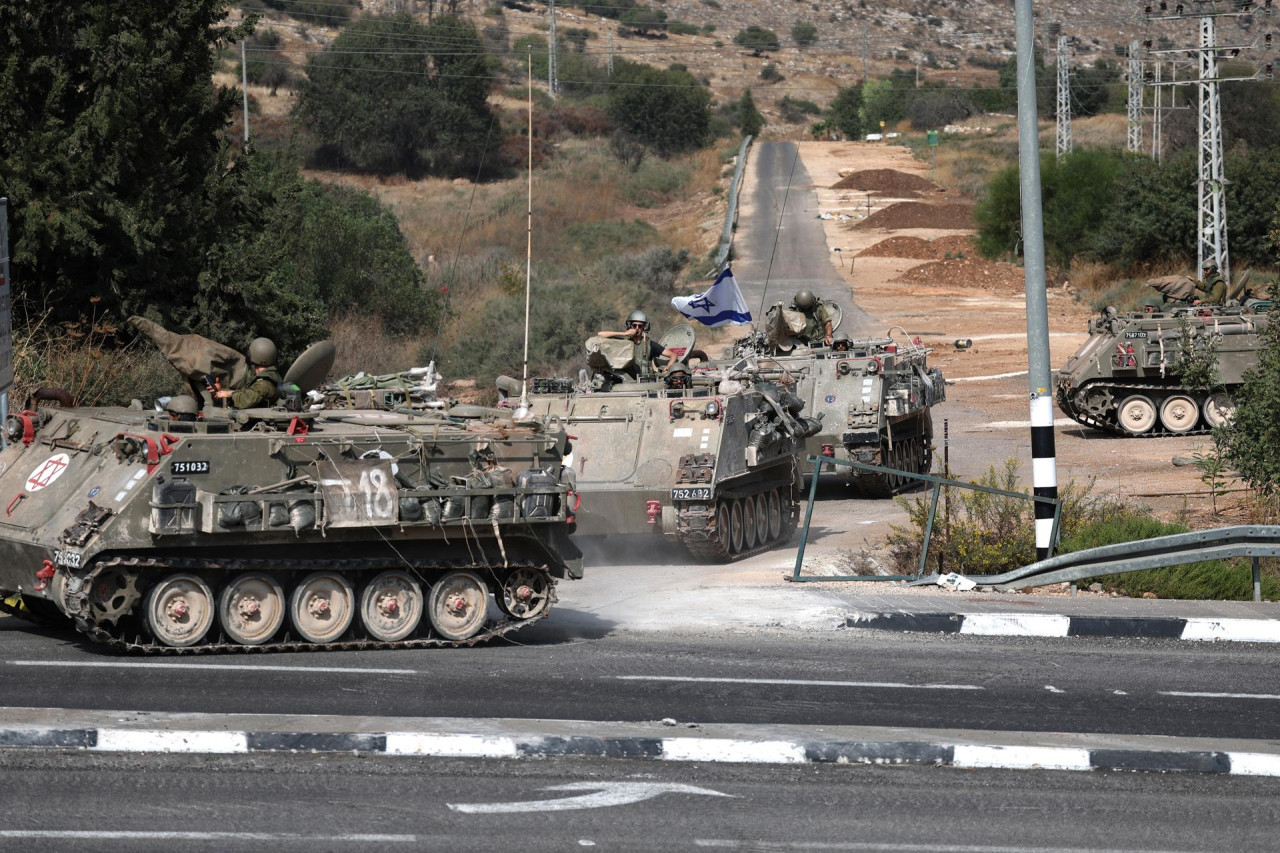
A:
(1257, 580)
(928, 529)
(816, 461)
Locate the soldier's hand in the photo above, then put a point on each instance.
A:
(222, 395)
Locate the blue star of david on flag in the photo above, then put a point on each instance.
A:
(719, 305)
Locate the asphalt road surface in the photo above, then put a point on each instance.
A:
(286, 803)
(573, 667)
(780, 246)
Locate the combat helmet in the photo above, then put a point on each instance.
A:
(262, 352)
(805, 300)
(840, 341)
(183, 407)
(677, 376)
(638, 317)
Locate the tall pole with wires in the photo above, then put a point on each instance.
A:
(244, 89)
(1133, 73)
(553, 76)
(1064, 142)
(610, 53)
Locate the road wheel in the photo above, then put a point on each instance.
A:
(391, 606)
(775, 515)
(179, 611)
(724, 528)
(762, 518)
(322, 607)
(1218, 409)
(748, 523)
(251, 609)
(1136, 414)
(456, 605)
(525, 594)
(1179, 414)
(735, 525)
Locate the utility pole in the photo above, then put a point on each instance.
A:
(1157, 116)
(610, 53)
(1211, 216)
(553, 79)
(866, 49)
(1044, 468)
(1133, 76)
(244, 90)
(1064, 145)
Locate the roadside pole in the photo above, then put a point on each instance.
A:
(1044, 470)
(6, 322)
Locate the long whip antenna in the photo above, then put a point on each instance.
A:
(528, 257)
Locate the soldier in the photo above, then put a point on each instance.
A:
(817, 329)
(840, 342)
(182, 408)
(646, 350)
(677, 377)
(264, 387)
(1212, 288)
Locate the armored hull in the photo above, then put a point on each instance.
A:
(874, 398)
(1125, 379)
(714, 466)
(275, 530)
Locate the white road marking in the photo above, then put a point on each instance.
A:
(604, 795)
(1254, 764)
(731, 844)
(992, 376)
(1021, 757)
(1195, 695)
(738, 751)
(1119, 693)
(127, 835)
(1239, 630)
(1053, 689)
(155, 740)
(238, 667)
(799, 682)
(1016, 624)
(455, 746)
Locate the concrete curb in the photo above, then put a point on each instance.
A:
(1057, 625)
(211, 734)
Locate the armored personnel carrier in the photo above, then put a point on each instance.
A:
(711, 459)
(874, 396)
(1125, 378)
(282, 530)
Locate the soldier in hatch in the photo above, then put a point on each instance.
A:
(646, 349)
(1211, 289)
(817, 329)
(182, 408)
(264, 387)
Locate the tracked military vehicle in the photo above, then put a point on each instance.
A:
(710, 459)
(269, 529)
(1125, 378)
(874, 396)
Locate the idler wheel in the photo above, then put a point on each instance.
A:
(1218, 409)
(525, 594)
(391, 606)
(1136, 414)
(251, 609)
(179, 611)
(322, 607)
(1179, 413)
(457, 605)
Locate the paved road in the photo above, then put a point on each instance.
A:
(780, 239)
(576, 667)
(164, 803)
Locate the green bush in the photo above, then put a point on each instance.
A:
(682, 28)
(770, 73)
(845, 112)
(1249, 443)
(655, 270)
(797, 109)
(750, 121)
(804, 34)
(757, 39)
(655, 182)
(644, 19)
(532, 48)
(668, 110)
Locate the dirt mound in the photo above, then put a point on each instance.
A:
(915, 214)
(918, 248)
(887, 181)
(967, 272)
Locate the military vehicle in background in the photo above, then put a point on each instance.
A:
(282, 529)
(711, 459)
(874, 396)
(1125, 378)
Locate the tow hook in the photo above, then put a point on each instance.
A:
(46, 573)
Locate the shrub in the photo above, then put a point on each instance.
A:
(655, 270)
(667, 110)
(644, 19)
(611, 8)
(1249, 442)
(578, 37)
(770, 73)
(655, 182)
(682, 28)
(797, 109)
(750, 121)
(935, 109)
(804, 34)
(757, 39)
(845, 112)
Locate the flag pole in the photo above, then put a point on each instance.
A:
(528, 257)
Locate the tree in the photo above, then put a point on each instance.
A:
(375, 105)
(757, 39)
(668, 110)
(882, 101)
(1090, 87)
(938, 107)
(845, 112)
(109, 129)
(750, 121)
(804, 34)
(644, 20)
(1248, 443)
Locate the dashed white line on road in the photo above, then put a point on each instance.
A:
(893, 685)
(234, 667)
(1053, 689)
(732, 844)
(127, 835)
(1194, 695)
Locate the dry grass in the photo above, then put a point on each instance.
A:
(363, 345)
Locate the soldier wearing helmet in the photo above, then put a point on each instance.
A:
(1212, 288)
(263, 388)
(817, 329)
(182, 408)
(677, 377)
(840, 342)
(646, 350)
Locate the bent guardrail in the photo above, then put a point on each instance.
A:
(731, 215)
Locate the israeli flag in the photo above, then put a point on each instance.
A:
(720, 305)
